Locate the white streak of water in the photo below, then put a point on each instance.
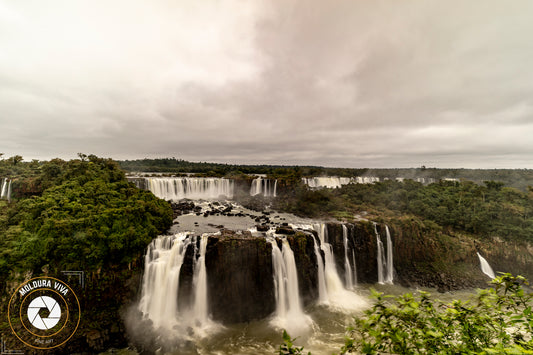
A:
(485, 267)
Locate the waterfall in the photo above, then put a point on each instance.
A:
(160, 287)
(485, 267)
(200, 284)
(348, 275)
(366, 179)
(5, 189)
(289, 314)
(390, 264)
(354, 269)
(163, 261)
(326, 181)
(380, 261)
(385, 263)
(322, 289)
(335, 293)
(266, 187)
(188, 187)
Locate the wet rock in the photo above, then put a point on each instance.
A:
(285, 230)
(262, 228)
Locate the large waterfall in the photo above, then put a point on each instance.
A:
(5, 189)
(177, 188)
(385, 263)
(350, 277)
(289, 314)
(485, 267)
(161, 280)
(265, 187)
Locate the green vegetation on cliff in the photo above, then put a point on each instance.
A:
(77, 215)
(489, 210)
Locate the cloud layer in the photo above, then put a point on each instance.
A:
(336, 83)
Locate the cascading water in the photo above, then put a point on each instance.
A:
(5, 189)
(348, 274)
(385, 264)
(289, 314)
(163, 261)
(160, 288)
(322, 289)
(200, 285)
(390, 264)
(266, 187)
(326, 182)
(485, 267)
(336, 294)
(188, 187)
(380, 261)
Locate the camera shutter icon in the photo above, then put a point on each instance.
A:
(53, 308)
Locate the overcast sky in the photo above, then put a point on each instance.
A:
(337, 83)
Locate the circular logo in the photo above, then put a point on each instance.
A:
(44, 312)
(54, 312)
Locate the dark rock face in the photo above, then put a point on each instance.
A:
(240, 283)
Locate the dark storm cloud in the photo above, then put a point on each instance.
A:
(337, 83)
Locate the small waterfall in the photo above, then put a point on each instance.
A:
(322, 289)
(289, 314)
(485, 267)
(385, 264)
(336, 294)
(380, 261)
(265, 187)
(160, 288)
(192, 188)
(200, 285)
(390, 264)
(348, 275)
(326, 182)
(366, 179)
(354, 269)
(5, 189)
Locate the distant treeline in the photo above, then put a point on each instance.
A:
(518, 178)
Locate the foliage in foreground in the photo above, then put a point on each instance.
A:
(288, 347)
(498, 320)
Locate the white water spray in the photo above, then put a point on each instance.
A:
(289, 314)
(485, 267)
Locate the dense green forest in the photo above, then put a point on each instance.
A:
(518, 178)
(486, 210)
(80, 214)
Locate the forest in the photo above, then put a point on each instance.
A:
(77, 214)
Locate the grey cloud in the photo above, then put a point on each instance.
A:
(345, 83)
